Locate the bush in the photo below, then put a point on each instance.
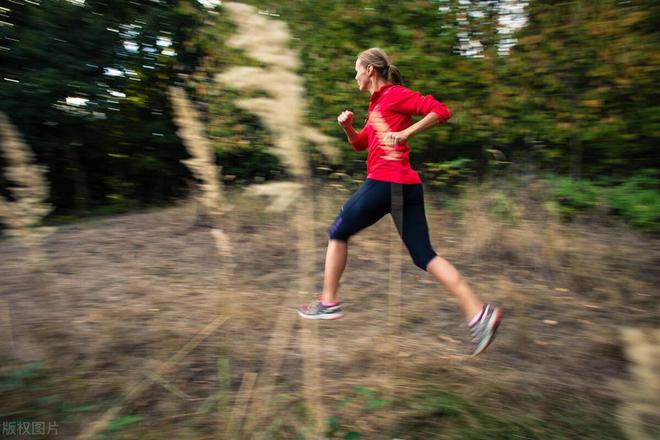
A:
(450, 174)
(635, 198)
(570, 196)
(638, 200)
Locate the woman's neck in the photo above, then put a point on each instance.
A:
(376, 84)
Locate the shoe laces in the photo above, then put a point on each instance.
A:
(315, 306)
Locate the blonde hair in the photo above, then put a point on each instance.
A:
(378, 58)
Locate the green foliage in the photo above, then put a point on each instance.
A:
(32, 392)
(16, 378)
(577, 95)
(453, 173)
(503, 208)
(121, 422)
(248, 165)
(371, 400)
(636, 198)
(444, 414)
(362, 399)
(582, 86)
(572, 196)
(120, 145)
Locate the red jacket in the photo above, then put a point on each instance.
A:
(390, 109)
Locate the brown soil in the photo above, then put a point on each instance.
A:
(122, 295)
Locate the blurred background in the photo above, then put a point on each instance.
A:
(147, 276)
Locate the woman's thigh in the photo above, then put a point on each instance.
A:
(368, 205)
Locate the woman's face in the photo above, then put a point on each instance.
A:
(362, 76)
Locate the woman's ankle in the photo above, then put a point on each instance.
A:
(328, 299)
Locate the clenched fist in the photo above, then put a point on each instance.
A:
(345, 119)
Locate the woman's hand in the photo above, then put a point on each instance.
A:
(345, 119)
(393, 138)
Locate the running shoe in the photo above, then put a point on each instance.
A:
(484, 329)
(316, 310)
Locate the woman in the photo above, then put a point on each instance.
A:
(392, 186)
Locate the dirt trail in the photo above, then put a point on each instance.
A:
(122, 294)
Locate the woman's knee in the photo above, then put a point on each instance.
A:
(335, 231)
(422, 260)
(337, 243)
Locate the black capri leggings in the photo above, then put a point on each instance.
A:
(372, 201)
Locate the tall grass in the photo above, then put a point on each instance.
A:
(24, 214)
(640, 394)
(203, 167)
(282, 113)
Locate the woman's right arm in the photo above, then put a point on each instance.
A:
(357, 140)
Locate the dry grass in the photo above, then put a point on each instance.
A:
(282, 112)
(266, 41)
(513, 223)
(24, 214)
(127, 293)
(202, 162)
(641, 394)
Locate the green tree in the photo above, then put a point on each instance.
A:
(581, 84)
(86, 86)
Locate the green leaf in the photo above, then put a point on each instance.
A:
(79, 408)
(374, 404)
(362, 390)
(123, 422)
(333, 423)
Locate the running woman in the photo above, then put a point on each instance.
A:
(390, 178)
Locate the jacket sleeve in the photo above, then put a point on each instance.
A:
(414, 103)
(361, 141)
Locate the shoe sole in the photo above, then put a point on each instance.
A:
(494, 324)
(329, 316)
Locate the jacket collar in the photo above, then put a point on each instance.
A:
(377, 94)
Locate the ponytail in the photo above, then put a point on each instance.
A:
(393, 75)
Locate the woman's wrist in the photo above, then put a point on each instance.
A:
(351, 133)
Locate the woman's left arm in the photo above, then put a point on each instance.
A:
(429, 121)
(416, 104)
